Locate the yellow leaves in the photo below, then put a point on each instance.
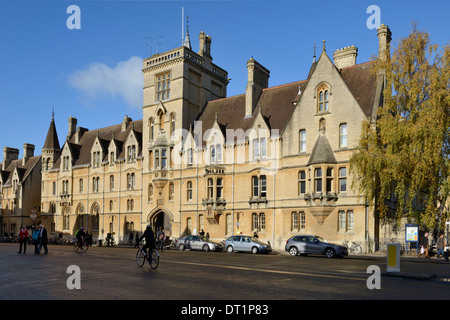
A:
(406, 156)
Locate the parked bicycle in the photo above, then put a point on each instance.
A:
(109, 241)
(352, 247)
(152, 258)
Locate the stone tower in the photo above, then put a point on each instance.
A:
(177, 85)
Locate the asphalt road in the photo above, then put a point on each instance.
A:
(112, 274)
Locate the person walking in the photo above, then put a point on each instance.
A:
(23, 239)
(130, 238)
(440, 245)
(424, 246)
(35, 238)
(161, 236)
(43, 239)
(136, 245)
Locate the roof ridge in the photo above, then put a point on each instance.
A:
(284, 85)
(357, 65)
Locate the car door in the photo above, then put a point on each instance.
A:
(187, 242)
(301, 243)
(237, 243)
(246, 244)
(196, 243)
(313, 246)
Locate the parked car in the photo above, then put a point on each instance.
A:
(308, 244)
(246, 244)
(197, 243)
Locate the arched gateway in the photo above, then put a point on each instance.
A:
(161, 217)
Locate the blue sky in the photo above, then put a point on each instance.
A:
(94, 73)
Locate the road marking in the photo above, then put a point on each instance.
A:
(270, 271)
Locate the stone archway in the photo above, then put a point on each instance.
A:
(161, 217)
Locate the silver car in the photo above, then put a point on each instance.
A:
(197, 243)
(246, 244)
(307, 244)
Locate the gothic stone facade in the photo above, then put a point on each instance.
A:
(273, 160)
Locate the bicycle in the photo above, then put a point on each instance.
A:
(80, 246)
(152, 258)
(353, 248)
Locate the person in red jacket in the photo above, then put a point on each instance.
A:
(23, 239)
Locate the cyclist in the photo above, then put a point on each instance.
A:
(80, 234)
(149, 239)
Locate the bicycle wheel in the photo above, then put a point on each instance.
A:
(76, 247)
(140, 258)
(154, 259)
(84, 247)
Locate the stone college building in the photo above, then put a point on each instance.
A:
(273, 160)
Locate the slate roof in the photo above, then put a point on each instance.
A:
(81, 151)
(23, 171)
(277, 103)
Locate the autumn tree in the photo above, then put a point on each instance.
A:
(402, 162)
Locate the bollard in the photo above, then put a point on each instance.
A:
(393, 257)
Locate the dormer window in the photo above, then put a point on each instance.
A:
(131, 152)
(65, 163)
(96, 159)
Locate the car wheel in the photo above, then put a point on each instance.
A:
(329, 253)
(254, 250)
(230, 249)
(206, 248)
(293, 251)
(181, 247)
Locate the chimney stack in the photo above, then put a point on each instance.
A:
(72, 127)
(125, 122)
(258, 79)
(205, 45)
(28, 152)
(9, 154)
(384, 39)
(345, 57)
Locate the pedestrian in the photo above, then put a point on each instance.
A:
(43, 239)
(130, 239)
(424, 246)
(255, 234)
(137, 240)
(202, 233)
(35, 238)
(23, 239)
(89, 238)
(440, 245)
(161, 236)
